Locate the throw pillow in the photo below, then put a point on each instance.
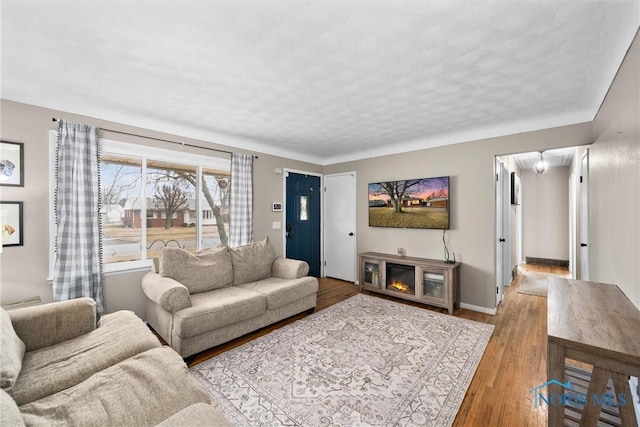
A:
(11, 352)
(200, 272)
(252, 262)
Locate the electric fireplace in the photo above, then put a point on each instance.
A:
(401, 278)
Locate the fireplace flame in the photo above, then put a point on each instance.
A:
(399, 286)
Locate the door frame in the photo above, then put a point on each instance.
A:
(355, 222)
(285, 172)
(583, 237)
(573, 225)
(501, 232)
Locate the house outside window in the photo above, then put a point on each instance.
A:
(163, 215)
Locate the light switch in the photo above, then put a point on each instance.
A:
(276, 225)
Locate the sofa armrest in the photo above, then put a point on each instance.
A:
(285, 268)
(169, 294)
(48, 324)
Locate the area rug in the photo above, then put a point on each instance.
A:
(365, 361)
(534, 283)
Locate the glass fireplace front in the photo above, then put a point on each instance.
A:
(401, 278)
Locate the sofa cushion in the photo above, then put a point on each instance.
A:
(9, 412)
(218, 308)
(281, 292)
(142, 390)
(252, 262)
(50, 369)
(201, 272)
(11, 352)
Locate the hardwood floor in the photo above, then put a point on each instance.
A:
(513, 363)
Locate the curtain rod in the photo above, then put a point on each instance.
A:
(184, 144)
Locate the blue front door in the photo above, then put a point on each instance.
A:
(303, 220)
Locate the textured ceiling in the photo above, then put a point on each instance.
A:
(556, 157)
(319, 81)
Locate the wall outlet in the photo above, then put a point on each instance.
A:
(276, 225)
(402, 252)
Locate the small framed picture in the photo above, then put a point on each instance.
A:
(12, 164)
(11, 223)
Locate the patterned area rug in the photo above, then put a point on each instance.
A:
(363, 361)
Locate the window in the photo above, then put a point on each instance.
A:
(152, 198)
(304, 213)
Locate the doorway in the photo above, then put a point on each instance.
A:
(548, 212)
(303, 219)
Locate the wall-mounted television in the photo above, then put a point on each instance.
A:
(411, 203)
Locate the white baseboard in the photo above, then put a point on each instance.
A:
(491, 311)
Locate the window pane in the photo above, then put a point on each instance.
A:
(215, 208)
(304, 215)
(170, 197)
(121, 202)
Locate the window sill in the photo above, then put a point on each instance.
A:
(122, 268)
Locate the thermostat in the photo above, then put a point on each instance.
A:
(276, 206)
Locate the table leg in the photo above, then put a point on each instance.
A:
(621, 386)
(555, 371)
(597, 387)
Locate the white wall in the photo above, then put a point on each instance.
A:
(545, 213)
(614, 179)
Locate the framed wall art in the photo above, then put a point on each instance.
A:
(11, 223)
(12, 164)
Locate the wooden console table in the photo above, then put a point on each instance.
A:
(435, 282)
(594, 323)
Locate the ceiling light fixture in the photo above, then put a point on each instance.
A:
(541, 165)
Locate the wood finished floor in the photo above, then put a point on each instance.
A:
(513, 363)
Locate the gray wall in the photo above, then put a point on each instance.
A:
(545, 213)
(614, 173)
(24, 269)
(472, 233)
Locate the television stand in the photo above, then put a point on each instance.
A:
(427, 281)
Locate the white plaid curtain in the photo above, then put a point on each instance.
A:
(241, 206)
(78, 263)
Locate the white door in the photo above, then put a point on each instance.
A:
(500, 238)
(584, 217)
(340, 226)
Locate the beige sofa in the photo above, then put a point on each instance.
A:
(61, 367)
(198, 301)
